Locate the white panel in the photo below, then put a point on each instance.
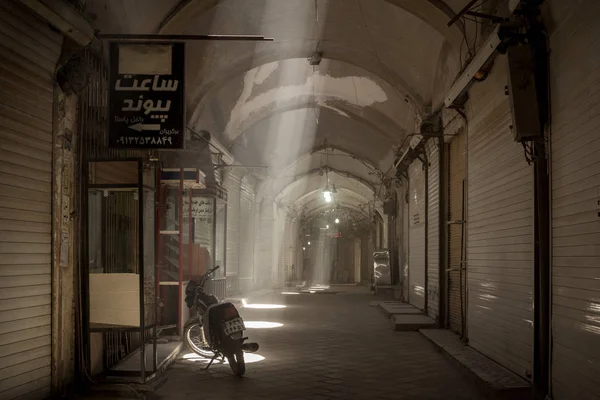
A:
(575, 200)
(416, 211)
(433, 230)
(500, 201)
(29, 50)
(115, 299)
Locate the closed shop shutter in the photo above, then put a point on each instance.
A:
(433, 229)
(266, 241)
(283, 233)
(247, 233)
(457, 292)
(29, 50)
(499, 230)
(575, 201)
(416, 236)
(232, 183)
(366, 257)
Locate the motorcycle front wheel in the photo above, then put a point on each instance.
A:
(193, 336)
(235, 357)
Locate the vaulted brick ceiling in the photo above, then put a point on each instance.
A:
(385, 63)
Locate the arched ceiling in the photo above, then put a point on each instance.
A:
(382, 63)
(288, 136)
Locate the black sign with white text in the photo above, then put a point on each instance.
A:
(147, 96)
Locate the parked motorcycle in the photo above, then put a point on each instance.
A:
(217, 329)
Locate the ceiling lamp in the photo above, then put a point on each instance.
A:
(327, 194)
(337, 220)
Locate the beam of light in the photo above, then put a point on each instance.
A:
(249, 358)
(262, 324)
(289, 293)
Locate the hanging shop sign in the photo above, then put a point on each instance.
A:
(202, 208)
(146, 95)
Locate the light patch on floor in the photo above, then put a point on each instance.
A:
(249, 358)
(262, 324)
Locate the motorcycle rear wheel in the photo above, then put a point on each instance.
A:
(193, 336)
(236, 358)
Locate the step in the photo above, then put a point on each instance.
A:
(497, 381)
(407, 322)
(390, 308)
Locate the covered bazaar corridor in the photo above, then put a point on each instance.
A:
(435, 163)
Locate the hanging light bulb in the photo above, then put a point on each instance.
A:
(327, 195)
(337, 220)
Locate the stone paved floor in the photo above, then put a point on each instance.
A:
(330, 346)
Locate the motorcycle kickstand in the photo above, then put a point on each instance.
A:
(211, 361)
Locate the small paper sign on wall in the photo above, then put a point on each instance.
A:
(147, 96)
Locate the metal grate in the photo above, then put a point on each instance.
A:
(217, 287)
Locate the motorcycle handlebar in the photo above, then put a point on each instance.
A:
(207, 275)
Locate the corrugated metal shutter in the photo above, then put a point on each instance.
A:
(232, 183)
(433, 229)
(282, 234)
(365, 260)
(265, 245)
(29, 50)
(416, 206)
(576, 201)
(499, 230)
(247, 233)
(456, 241)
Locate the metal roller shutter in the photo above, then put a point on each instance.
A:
(456, 240)
(247, 234)
(29, 50)
(282, 234)
(416, 239)
(433, 229)
(265, 262)
(576, 201)
(499, 230)
(232, 183)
